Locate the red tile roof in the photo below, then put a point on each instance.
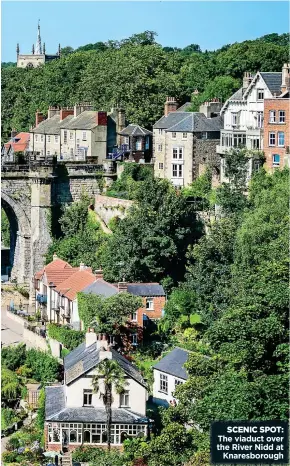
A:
(20, 145)
(56, 265)
(76, 283)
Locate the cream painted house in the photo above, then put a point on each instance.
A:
(75, 415)
(243, 115)
(184, 143)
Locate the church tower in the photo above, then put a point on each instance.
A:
(37, 57)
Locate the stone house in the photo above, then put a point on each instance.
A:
(244, 113)
(184, 143)
(168, 373)
(75, 415)
(75, 134)
(136, 144)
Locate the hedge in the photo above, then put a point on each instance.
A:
(67, 337)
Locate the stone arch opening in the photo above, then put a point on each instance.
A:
(20, 234)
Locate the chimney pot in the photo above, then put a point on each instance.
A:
(99, 273)
(170, 105)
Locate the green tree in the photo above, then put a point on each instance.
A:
(5, 229)
(10, 386)
(45, 368)
(151, 242)
(109, 375)
(221, 87)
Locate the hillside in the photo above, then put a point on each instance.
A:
(136, 73)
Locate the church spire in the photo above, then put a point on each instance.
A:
(38, 48)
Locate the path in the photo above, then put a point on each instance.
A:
(11, 331)
(26, 422)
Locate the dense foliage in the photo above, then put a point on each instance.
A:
(5, 229)
(136, 73)
(66, 336)
(130, 181)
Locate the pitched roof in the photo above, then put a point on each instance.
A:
(55, 265)
(48, 126)
(189, 122)
(19, 143)
(173, 363)
(145, 289)
(58, 276)
(135, 130)
(102, 288)
(85, 120)
(75, 283)
(273, 81)
(184, 107)
(238, 95)
(55, 410)
(83, 359)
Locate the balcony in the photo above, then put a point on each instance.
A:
(41, 298)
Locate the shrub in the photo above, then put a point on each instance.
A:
(69, 338)
(13, 357)
(45, 368)
(8, 417)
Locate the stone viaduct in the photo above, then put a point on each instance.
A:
(31, 196)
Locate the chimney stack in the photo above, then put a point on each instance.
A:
(101, 118)
(66, 111)
(171, 105)
(13, 133)
(39, 117)
(211, 109)
(91, 337)
(247, 79)
(52, 111)
(122, 286)
(285, 77)
(82, 266)
(82, 107)
(99, 274)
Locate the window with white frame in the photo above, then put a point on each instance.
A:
(177, 153)
(177, 382)
(260, 94)
(184, 135)
(177, 170)
(48, 138)
(138, 144)
(150, 304)
(276, 160)
(84, 135)
(173, 135)
(59, 432)
(125, 399)
(234, 118)
(204, 135)
(272, 116)
(48, 152)
(65, 136)
(97, 433)
(281, 138)
(36, 137)
(41, 138)
(55, 138)
(126, 140)
(71, 135)
(160, 131)
(134, 316)
(272, 139)
(163, 383)
(71, 151)
(160, 166)
(260, 119)
(88, 397)
(159, 147)
(134, 339)
(281, 116)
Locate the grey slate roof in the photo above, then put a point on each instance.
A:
(135, 130)
(238, 95)
(85, 120)
(189, 122)
(184, 107)
(273, 81)
(173, 363)
(101, 288)
(55, 410)
(49, 126)
(145, 289)
(83, 359)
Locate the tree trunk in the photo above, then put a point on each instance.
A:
(109, 415)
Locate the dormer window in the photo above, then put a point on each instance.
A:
(84, 135)
(260, 94)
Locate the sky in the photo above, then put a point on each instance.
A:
(178, 24)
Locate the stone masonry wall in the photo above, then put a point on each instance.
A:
(205, 155)
(109, 207)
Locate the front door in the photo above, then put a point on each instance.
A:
(64, 437)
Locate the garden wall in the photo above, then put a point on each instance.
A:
(36, 340)
(109, 207)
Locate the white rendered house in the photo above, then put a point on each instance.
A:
(169, 372)
(75, 415)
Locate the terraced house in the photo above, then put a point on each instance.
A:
(184, 143)
(75, 415)
(56, 293)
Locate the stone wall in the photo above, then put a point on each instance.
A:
(205, 155)
(109, 207)
(36, 340)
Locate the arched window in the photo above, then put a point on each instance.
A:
(124, 436)
(73, 436)
(87, 436)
